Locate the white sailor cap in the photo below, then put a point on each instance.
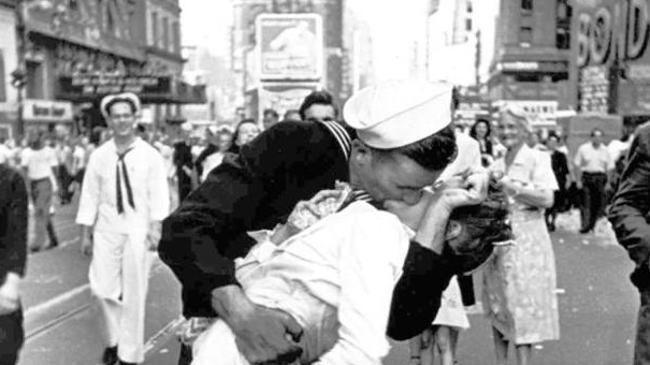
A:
(397, 113)
(110, 99)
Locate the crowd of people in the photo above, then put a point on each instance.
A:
(267, 226)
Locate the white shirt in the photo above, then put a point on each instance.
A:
(590, 159)
(5, 153)
(39, 163)
(98, 201)
(469, 156)
(616, 148)
(210, 163)
(336, 279)
(78, 158)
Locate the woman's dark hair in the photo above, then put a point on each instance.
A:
(485, 224)
(317, 97)
(472, 131)
(432, 153)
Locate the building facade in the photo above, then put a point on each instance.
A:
(530, 66)
(8, 62)
(452, 42)
(77, 51)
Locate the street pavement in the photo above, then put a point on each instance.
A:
(597, 307)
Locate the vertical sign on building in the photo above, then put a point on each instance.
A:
(290, 46)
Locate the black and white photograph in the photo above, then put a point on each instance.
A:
(332, 182)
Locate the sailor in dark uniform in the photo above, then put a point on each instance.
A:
(257, 189)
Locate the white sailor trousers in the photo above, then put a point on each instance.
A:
(119, 275)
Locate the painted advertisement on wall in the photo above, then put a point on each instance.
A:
(290, 46)
(612, 56)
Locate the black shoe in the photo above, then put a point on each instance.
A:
(551, 227)
(126, 363)
(585, 230)
(110, 356)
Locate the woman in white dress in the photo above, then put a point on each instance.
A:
(519, 281)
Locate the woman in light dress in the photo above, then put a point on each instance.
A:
(442, 337)
(519, 281)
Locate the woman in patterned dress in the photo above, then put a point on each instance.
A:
(519, 280)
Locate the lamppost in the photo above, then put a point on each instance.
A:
(19, 76)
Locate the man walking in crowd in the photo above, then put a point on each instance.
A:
(592, 162)
(123, 201)
(319, 107)
(13, 253)
(270, 117)
(257, 189)
(628, 214)
(40, 164)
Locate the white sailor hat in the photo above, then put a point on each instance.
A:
(110, 99)
(397, 113)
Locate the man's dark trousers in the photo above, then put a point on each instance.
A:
(11, 337)
(593, 205)
(642, 345)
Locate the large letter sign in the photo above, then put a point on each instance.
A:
(601, 36)
(637, 28)
(584, 24)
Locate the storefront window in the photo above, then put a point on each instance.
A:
(527, 5)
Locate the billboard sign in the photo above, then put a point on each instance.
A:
(610, 34)
(290, 46)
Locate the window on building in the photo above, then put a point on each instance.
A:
(154, 29)
(34, 86)
(73, 5)
(563, 38)
(468, 24)
(176, 48)
(527, 5)
(469, 6)
(562, 10)
(526, 35)
(3, 90)
(164, 44)
(110, 22)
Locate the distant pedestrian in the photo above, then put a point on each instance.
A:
(271, 117)
(319, 106)
(39, 163)
(592, 162)
(482, 132)
(291, 115)
(13, 245)
(212, 155)
(519, 282)
(123, 201)
(245, 132)
(628, 214)
(562, 174)
(183, 161)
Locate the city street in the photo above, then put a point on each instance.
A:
(597, 307)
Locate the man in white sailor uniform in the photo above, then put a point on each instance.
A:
(123, 201)
(290, 162)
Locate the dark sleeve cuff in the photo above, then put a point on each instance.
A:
(416, 297)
